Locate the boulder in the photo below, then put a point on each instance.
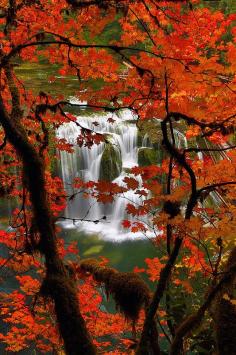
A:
(111, 163)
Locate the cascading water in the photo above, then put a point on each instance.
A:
(86, 164)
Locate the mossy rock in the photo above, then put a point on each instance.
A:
(148, 156)
(143, 140)
(139, 138)
(152, 128)
(111, 163)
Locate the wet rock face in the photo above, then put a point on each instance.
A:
(111, 163)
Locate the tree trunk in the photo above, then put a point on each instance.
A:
(57, 283)
(225, 312)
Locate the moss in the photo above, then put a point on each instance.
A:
(152, 128)
(128, 290)
(54, 161)
(140, 138)
(147, 156)
(149, 134)
(88, 265)
(58, 287)
(111, 163)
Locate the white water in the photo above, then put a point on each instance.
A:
(85, 163)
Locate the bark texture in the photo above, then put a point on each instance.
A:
(225, 311)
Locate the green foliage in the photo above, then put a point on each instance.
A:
(226, 6)
(147, 156)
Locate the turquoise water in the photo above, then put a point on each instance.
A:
(123, 255)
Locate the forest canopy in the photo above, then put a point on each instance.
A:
(165, 69)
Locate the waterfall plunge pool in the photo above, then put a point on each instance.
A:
(107, 238)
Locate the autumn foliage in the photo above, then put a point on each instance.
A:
(171, 63)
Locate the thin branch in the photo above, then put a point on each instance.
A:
(195, 319)
(83, 219)
(163, 330)
(67, 42)
(167, 15)
(153, 17)
(144, 26)
(179, 157)
(209, 149)
(214, 186)
(191, 120)
(217, 263)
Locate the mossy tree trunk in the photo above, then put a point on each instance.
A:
(57, 284)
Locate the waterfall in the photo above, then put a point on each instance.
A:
(85, 163)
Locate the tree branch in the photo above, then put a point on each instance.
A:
(67, 42)
(57, 283)
(195, 319)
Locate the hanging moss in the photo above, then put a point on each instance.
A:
(128, 290)
(111, 163)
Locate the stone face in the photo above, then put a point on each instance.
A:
(111, 163)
